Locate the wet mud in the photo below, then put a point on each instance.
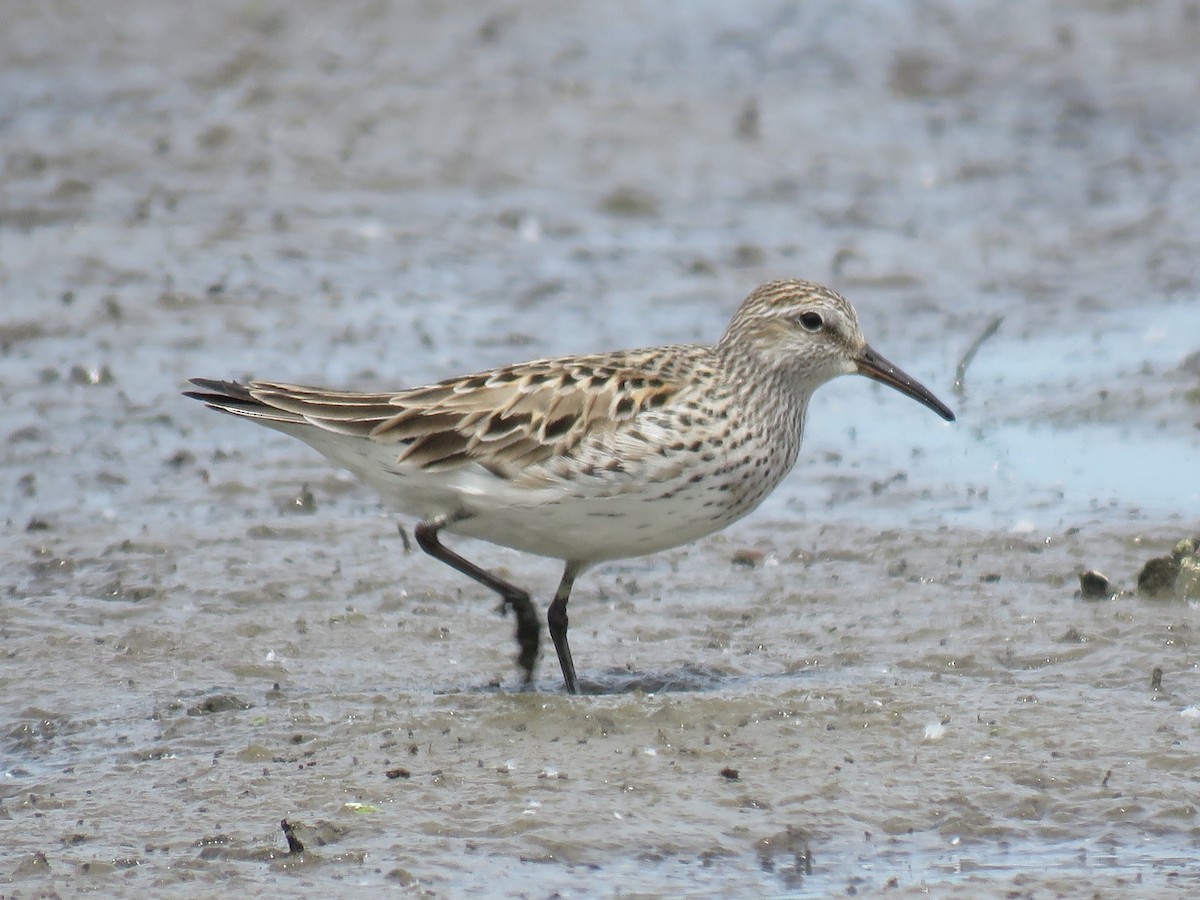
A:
(899, 676)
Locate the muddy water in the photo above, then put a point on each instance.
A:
(904, 693)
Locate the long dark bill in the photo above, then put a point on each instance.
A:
(879, 369)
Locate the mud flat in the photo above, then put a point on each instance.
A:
(887, 679)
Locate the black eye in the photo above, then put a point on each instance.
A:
(811, 321)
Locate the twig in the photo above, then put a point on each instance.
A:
(960, 373)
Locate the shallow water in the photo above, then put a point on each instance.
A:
(911, 693)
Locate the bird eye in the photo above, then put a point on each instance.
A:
(811, 321)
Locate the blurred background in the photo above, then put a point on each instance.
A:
(376, 195)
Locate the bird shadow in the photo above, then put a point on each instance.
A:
(690, 678)
(615, 682)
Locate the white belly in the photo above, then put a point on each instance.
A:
(661, 502)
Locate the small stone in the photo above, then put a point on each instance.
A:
(746, 255)
(1095, 586)
(81, 375)
(630, 202)
(1158, 576)
(729, 774)
(180, 458)
(750, 559)
(1072, 636)
(218, 703)
(402, 877)
(748, 121)
(304, 502)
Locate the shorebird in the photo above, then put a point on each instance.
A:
(588, 458)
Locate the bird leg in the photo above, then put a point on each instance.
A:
(528, 625)
(556, 618)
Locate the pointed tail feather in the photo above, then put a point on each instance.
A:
(235, 398)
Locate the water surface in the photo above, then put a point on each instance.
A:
(909, 690)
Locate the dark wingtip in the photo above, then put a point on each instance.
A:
(222, 395)
(234, 390)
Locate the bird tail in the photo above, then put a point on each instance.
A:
(236, 398)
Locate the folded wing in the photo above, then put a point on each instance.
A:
(504, 420)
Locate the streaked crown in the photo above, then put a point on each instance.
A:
(798, 327)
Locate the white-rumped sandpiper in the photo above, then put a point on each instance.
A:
(589, 458)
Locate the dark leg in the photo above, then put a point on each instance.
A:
(517, 599)
(556, 618)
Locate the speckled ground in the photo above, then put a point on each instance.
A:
(901, 692)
